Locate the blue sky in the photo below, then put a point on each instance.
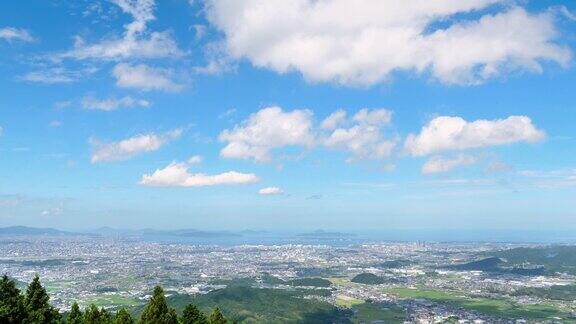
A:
(345, 115)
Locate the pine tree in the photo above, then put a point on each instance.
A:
(11, 302)
(157, 311)
(75, 316)
(38, 310)
(93, 315)
(217, 318)
(192, 315)
(122, 317)
(171, 317)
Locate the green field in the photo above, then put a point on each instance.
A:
(494, 307)
(112, 300)
(369, 312)
(347, 302)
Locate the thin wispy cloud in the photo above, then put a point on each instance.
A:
(15, 34)
(442, 165)
(56, 75)
(111, 104)
(136, 42)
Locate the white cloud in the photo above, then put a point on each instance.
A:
(364, 139)
(136, 42)
(18, 34)
(441, 165)
(374, 117)
(550, 179)
(565, 12)
(335, 119)
(266, 130)
(177, 175)
(54, 211)
(113, 103)
(127, 148)
(454, 133)
(217, 62)
(271, 191)
(271, 128)
(196, 159)
(145, 78)
(362, 42)
(56, 75)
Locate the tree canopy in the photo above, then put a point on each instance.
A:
(33, 307)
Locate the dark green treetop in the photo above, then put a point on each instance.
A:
(94, 315)
(38, 309)
(157, 311)
(11, 302)
(217, 318)
(122, 317)
(75, 316)
(193, 315)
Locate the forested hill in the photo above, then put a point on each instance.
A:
(33, 306)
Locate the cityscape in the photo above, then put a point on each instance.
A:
(361, 282)
(288, 161)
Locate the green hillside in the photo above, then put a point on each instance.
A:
(556, 258)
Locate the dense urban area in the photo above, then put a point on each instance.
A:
(360, 282)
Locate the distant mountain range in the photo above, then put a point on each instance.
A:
(109, 231)
(24, 230)
(148, 232)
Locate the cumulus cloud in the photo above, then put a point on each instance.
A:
(272, 128)
(144, 77)
(271, 191)
(177, 175)
(362, 42)
(15, 34)
(136, 42)
(454, 133)
(266, 130)
(364, 138)
(130, 147)
(110, 104)
(441, 165)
